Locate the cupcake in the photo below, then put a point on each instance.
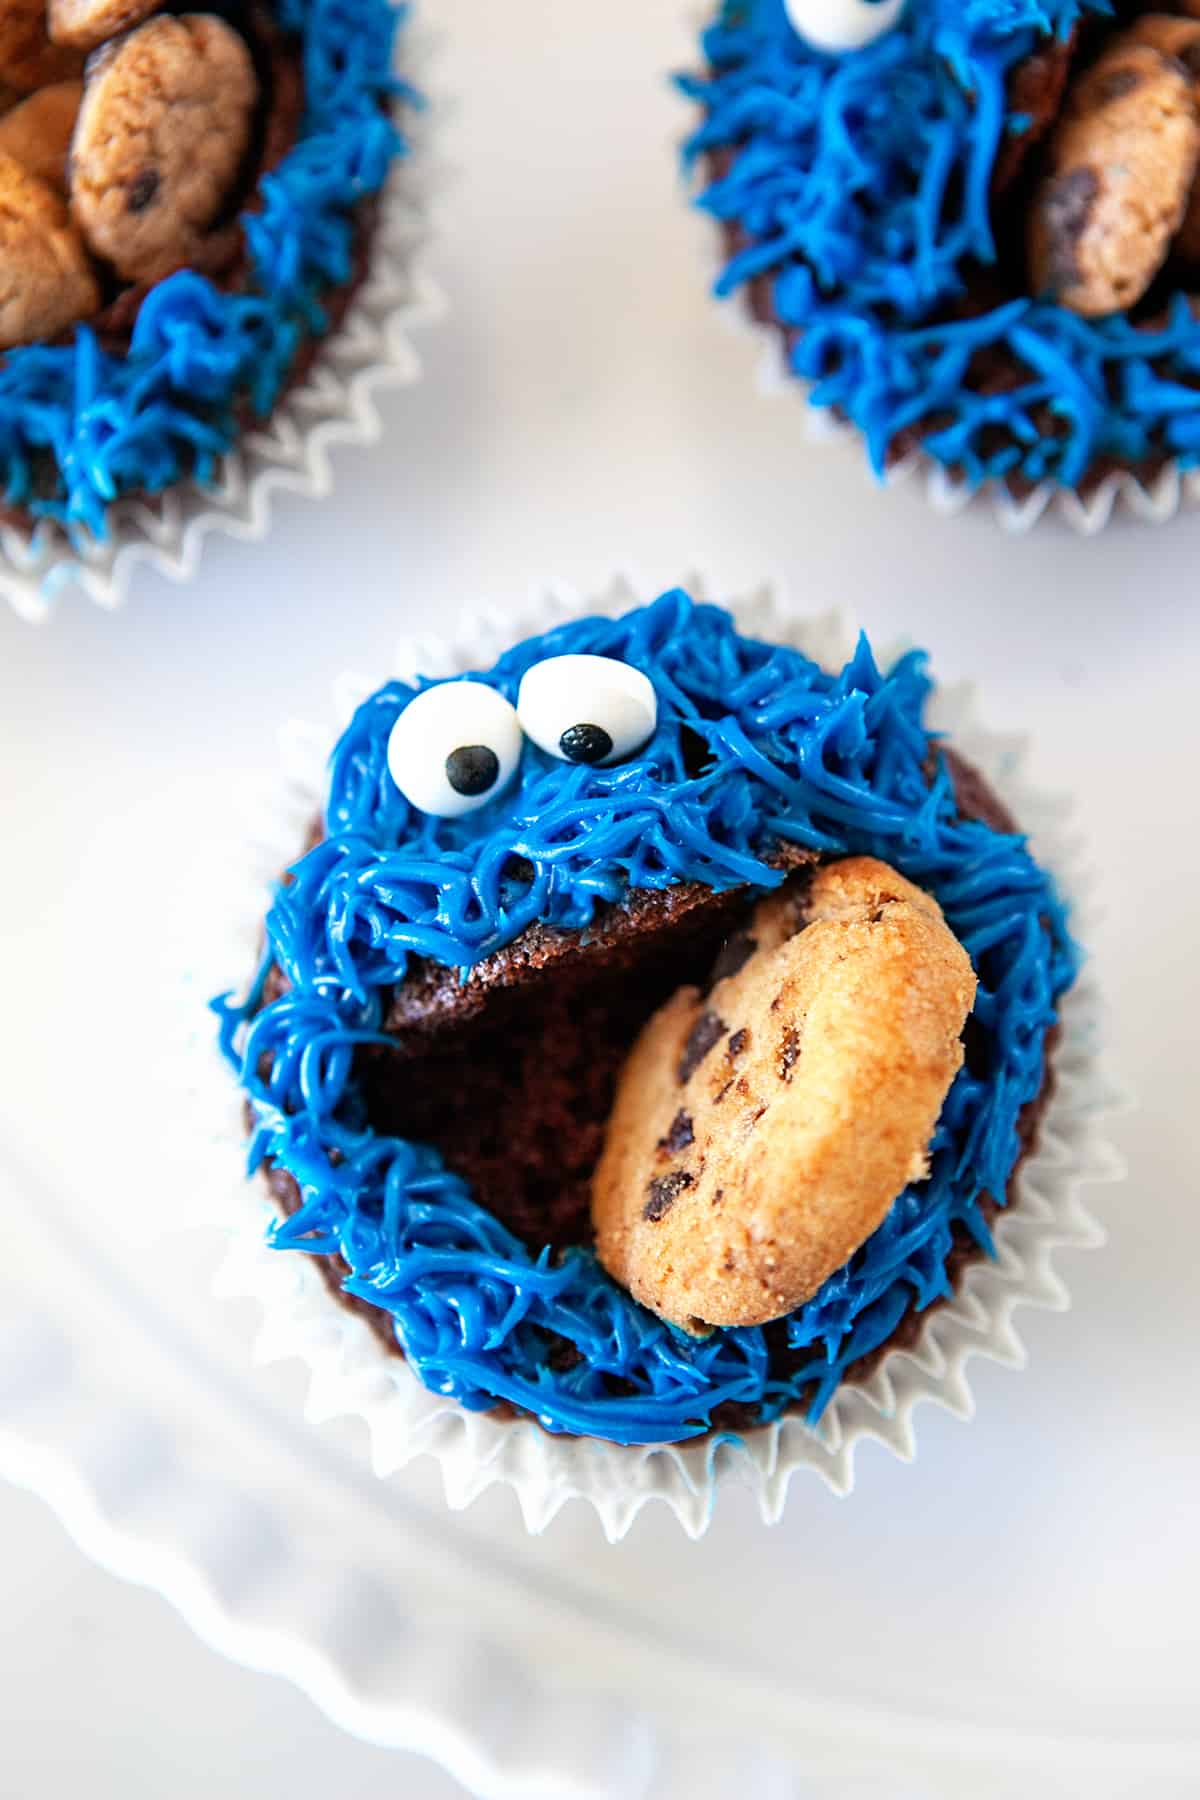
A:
(649, 1033)
(974, 228)
(190, 201)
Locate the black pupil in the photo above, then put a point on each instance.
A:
(472, 769)
(585, 743)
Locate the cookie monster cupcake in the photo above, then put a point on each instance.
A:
(191, 206)
(973, 230)
(648, 1038)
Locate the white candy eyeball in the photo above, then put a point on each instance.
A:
(836, 25)
(587, 709)
(454, 748)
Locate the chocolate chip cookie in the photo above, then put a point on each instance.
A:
(1180, 38)
(46, 281)
(762, 1130)
(165, 125)
(1121, 166)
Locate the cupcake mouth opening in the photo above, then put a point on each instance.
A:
(512, 1076)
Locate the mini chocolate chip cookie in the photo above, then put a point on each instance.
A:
(165, 124)
(85, 23)
(46, 281)
(1122, 163)
(762, 1130)
(1180, 38)
(28, 59)
(37, 133)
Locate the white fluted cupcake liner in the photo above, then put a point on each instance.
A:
(1171, 491)
(351, 1374)
(334, 403)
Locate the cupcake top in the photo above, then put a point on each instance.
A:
(178, 201)
(972, 223)
(615, 796)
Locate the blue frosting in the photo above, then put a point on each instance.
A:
(115, 424)
(835, 762)
(862, 184)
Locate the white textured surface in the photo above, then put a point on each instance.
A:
(1032, 1577)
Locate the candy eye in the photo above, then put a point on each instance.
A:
(587, 709)
(835, 25)
(454, 747)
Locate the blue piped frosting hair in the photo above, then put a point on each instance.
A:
(80, 425)
(835, 762)
(860, 189)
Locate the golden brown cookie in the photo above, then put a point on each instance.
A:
(1180, 38)
(762, 1130)
(46, 280)
(1121, 166)
(28, 59)
(85, 23)
(37, 133)
(164, 127)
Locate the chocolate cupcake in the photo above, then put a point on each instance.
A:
(972, 229)
(652, 1029)
(190, 209)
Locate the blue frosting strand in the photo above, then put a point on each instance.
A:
(167, 408)
(862, 184)
(835, 762)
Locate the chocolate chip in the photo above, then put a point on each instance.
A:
(737, 1043)
(664, 1191)
(1117, 85)
(789, 1054)
(707, 1031)
(733, 955)
(1067, 204)
(142, 190)
(719, 1096)
(717, 1197)
(679, 1136)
